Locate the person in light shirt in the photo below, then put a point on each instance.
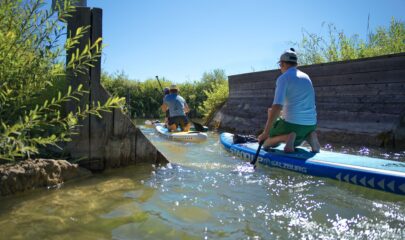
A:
(292, 117)
(178, 108)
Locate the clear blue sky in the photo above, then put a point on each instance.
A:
(182, 39)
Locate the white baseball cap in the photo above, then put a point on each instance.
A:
(289, 56)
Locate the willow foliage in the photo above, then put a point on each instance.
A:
(337, 46)
(33, 87)
(216, 98)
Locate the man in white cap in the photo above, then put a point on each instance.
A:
(178, 108)
(295, 98)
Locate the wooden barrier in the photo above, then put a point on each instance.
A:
(113, 140)
(358, 102)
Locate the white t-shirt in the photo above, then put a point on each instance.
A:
(295, 92)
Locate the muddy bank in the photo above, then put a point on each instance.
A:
(32, 174)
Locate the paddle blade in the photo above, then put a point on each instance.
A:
(199, 127)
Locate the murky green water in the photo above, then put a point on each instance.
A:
(204, 194)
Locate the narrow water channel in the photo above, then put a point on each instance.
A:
(205, 193)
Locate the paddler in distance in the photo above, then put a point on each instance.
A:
(294, 98)
(178, 108)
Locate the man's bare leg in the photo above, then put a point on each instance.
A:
(289, 143)
(289, 139)
(274, 141)
(187, 127)
(313, 141)
(173, 127)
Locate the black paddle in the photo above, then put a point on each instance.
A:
(253, 162)
(157, 78)
(197, 125)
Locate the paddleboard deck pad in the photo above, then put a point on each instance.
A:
(191, 136)
(380, 174)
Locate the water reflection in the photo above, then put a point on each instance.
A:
(86, 209)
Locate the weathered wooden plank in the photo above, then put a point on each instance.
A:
(346, 116)
(100, 128)
(256, 76)
(145, 151)
(80, 143)
(393, 76)
(254, 86)
(356, 127)
(381, 63)
(363, 89)
(257, 97)
(363, 99)
(390, 108)
(253, 92)
(396, 108)
(248, 105)
(332, 90)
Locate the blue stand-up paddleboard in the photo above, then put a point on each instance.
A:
(364, 171)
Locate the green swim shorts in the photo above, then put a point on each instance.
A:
(281, 127)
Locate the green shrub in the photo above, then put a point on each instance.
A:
(33, 86)
(143, 99)
(216, 97)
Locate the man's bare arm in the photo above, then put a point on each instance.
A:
(272, 114)
(164, 107)
(186, 108)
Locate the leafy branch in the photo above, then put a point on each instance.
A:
(33, 79)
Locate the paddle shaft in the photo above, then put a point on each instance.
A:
(157, 78)
(253, 162)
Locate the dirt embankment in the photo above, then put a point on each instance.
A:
(31, 174)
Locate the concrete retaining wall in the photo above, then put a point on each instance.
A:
(359, 101)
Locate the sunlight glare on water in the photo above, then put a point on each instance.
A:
(205, 193)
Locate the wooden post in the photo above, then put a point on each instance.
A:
(100, 128)
(80, 143)
(113, 140)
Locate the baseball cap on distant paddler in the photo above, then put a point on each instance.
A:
(173, 87)
(289, 56)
